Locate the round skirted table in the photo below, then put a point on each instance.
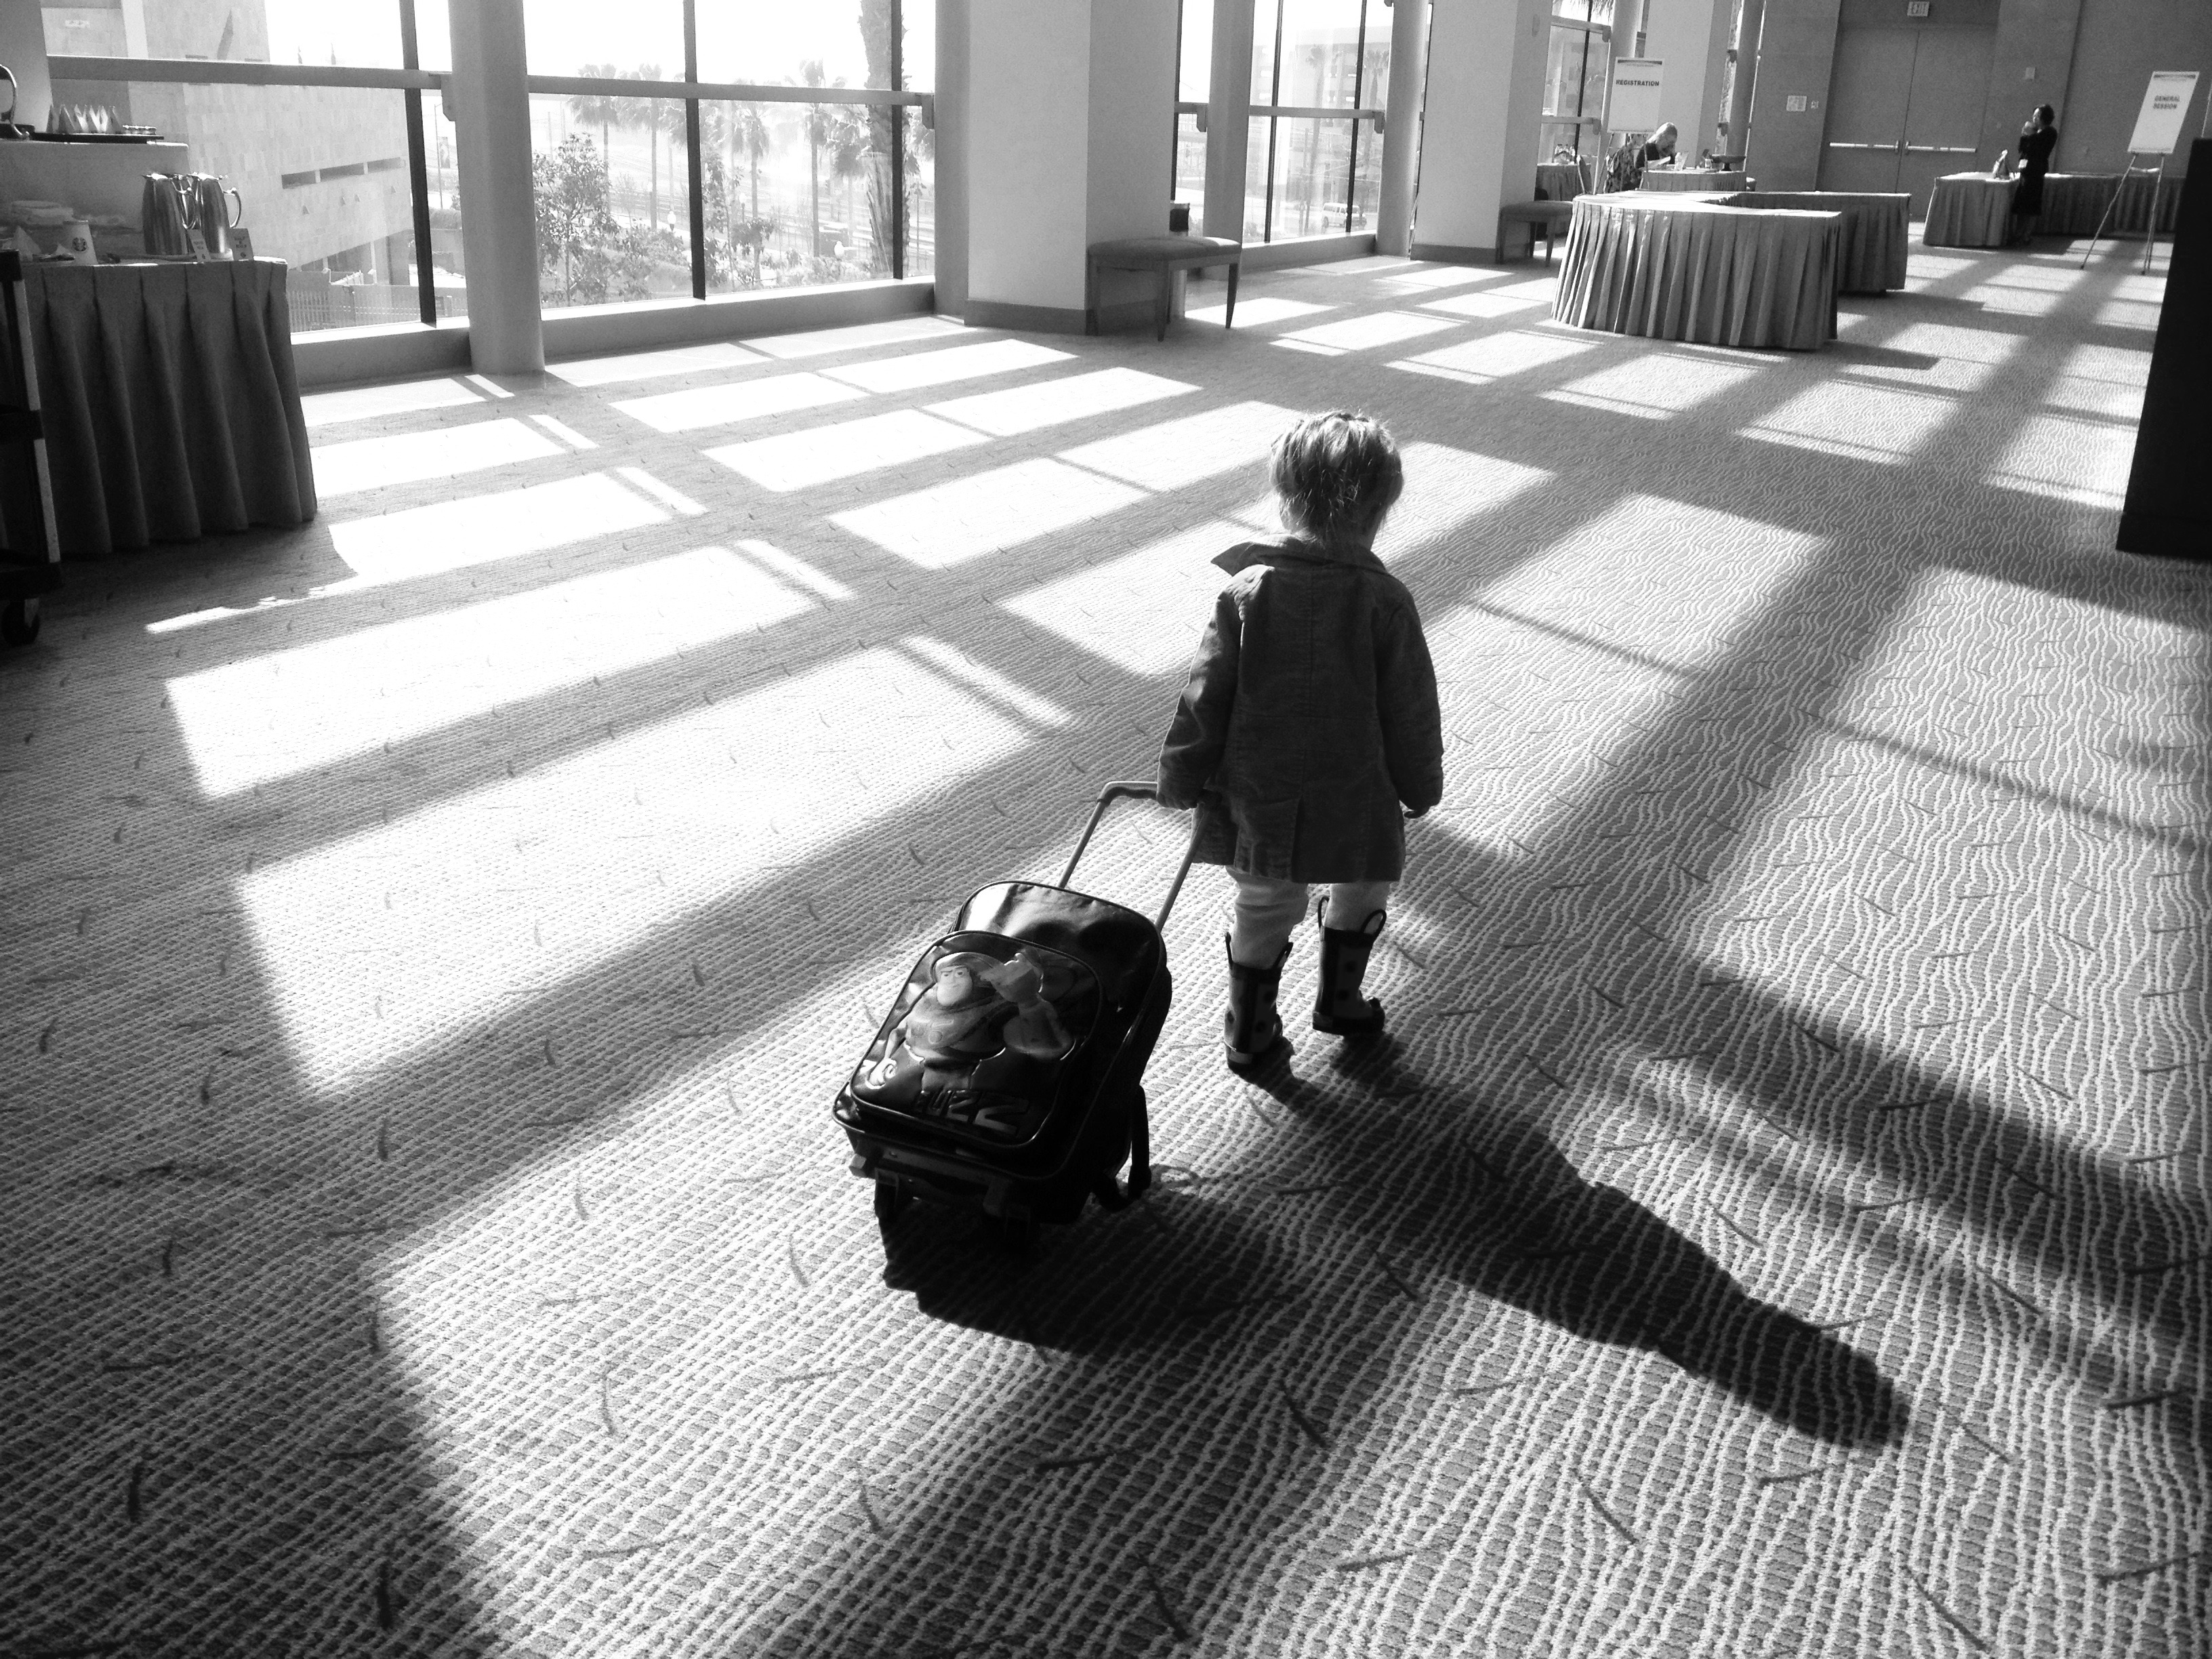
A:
(1560, 181)
(1968, 209)
(171, 411)
(1877, 231)
(1692, 268)
(1694, 180)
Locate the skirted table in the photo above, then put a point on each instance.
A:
(1692, 268)
(2074, 202)
(1877, 231)
(170, 408)
(1695, 180)
(1559, 181)
(1969, 210)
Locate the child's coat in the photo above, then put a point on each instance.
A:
(1309, 719)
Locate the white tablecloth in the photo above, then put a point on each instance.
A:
(1693, 179)
(1692, 268)
(1968, 209)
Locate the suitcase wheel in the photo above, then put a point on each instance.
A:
(890, 1201)
(1017, 1239)
(19, 622)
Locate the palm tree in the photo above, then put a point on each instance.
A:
(669, 116)
(820, 126)
(849, 155)
(749, 133)
(591, 108)
(652, 125)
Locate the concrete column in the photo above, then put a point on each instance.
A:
(1747, 76)
(1485, 98)
(1691, 38)
(1401, 133)
(2032, 63)
(1229, 118)
(1070, 146)
(953, 92)
(1628, 25)
(1796, 57)
(490, 102)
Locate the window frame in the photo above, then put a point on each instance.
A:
(413, 81)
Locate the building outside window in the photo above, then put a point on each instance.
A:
(320, 171)
(798, 187)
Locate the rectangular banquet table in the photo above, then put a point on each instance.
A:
(1693, 179)
(1877, 230)
(1968, 209)
(2074, 203)
(170, 408)
(1692, 268)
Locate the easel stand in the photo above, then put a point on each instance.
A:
(2150, 225)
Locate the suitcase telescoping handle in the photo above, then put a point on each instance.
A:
(1128, 789)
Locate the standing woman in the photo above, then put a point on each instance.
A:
(2038, 136)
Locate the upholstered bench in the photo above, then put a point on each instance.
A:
(1166, 255)
(1547, 219)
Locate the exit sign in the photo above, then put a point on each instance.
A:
(1915, 8)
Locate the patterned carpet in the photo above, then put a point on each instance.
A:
(1776, 1226)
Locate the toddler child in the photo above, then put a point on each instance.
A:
(1310, 718)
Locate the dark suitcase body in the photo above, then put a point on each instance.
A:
(1008, 1076)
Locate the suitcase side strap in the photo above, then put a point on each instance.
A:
(1111, 1193)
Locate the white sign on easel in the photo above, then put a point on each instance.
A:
(1632, 103)
(2158, 132)
(2158, 123)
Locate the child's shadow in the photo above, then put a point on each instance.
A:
(1516, 1223)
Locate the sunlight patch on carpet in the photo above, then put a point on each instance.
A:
(379, 944)
(289, 712)
(404, 458)
(1143, 611)
(953, 523)
(423, 541)
(1869, 424)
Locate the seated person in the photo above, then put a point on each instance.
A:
(1659, 147)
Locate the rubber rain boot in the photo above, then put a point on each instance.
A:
(1340, 1009)
(1252, 1030)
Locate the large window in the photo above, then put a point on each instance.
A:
(1575, 76)
(1313, 156)
(681, 147)
(323, 173)
(650, 197)
(1193, 86)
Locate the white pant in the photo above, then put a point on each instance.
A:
(1268, 910)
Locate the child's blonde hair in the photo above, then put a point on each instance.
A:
(1337, 473)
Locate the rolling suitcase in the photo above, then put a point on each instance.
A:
(1008, 1077)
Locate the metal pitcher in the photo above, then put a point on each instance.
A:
(217, 210)
(165, 211)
